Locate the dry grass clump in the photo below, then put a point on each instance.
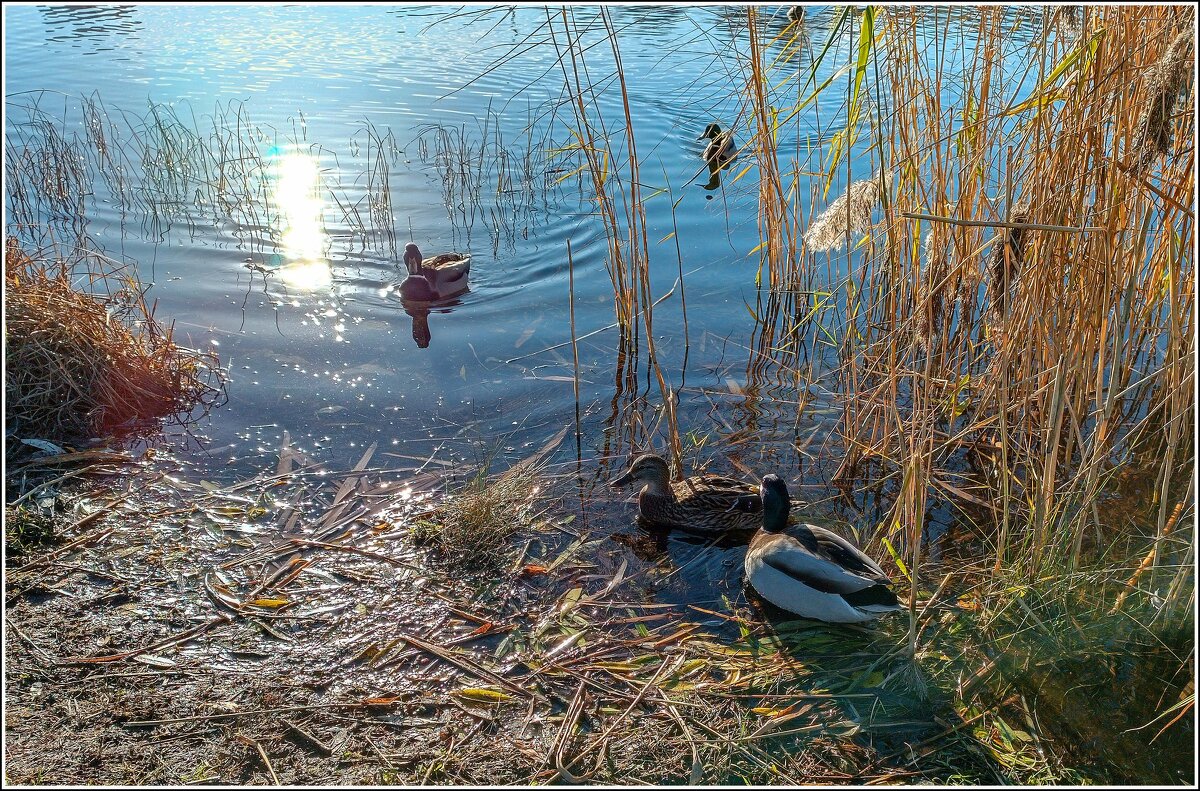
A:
(1166, 80)
(83, 365)
(849, 214)
(25, 528)
(474, 523)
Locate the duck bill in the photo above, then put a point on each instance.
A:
(623, 480)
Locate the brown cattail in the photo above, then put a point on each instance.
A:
(1165, 81)
(1004, 267)
(850, 213)
(932, 298)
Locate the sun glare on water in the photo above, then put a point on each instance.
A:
(303, 241)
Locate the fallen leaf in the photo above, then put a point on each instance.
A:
(272, 603)
(481, 695)
(380, 701)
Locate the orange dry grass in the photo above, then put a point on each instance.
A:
(81, 365)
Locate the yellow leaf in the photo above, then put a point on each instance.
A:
(269, 602)
(483, 695)
(617, 667)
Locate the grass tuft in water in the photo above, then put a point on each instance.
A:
(476, 522)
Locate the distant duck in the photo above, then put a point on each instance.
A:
(432, 279)
(720, 149)
(810, 571)
(796, 13)
(702, 504)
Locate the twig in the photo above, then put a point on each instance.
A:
(308, 738)
(912, 215)
(247, 740)
(247, 713)
(469, 666)
(179, 638)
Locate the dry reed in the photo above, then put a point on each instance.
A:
(81, 365)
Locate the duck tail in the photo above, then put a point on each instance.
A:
(877, 598)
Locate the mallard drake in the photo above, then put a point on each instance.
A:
(810, 571)
(436, 278)
(702, 504)
(720, 149)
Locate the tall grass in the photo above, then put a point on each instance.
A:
(614, 175)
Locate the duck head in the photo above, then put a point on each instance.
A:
(647, 470)
(776, 503)
(711, 132)
(412, 258)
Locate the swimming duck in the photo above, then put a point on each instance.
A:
(720, 149)
(436, 278)
(810, 571)
(796, 13)
(702, 504)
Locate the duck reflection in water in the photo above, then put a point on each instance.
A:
(420, 326)
(718, 154)
(714, 177)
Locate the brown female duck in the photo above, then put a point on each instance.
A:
(435, 278)
(702, 504)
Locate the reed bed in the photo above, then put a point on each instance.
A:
(1015, 311)
(1003, 305)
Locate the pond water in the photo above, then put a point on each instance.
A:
(448, 115)
(369, 127)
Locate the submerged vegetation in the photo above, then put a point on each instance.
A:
(990, 277)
